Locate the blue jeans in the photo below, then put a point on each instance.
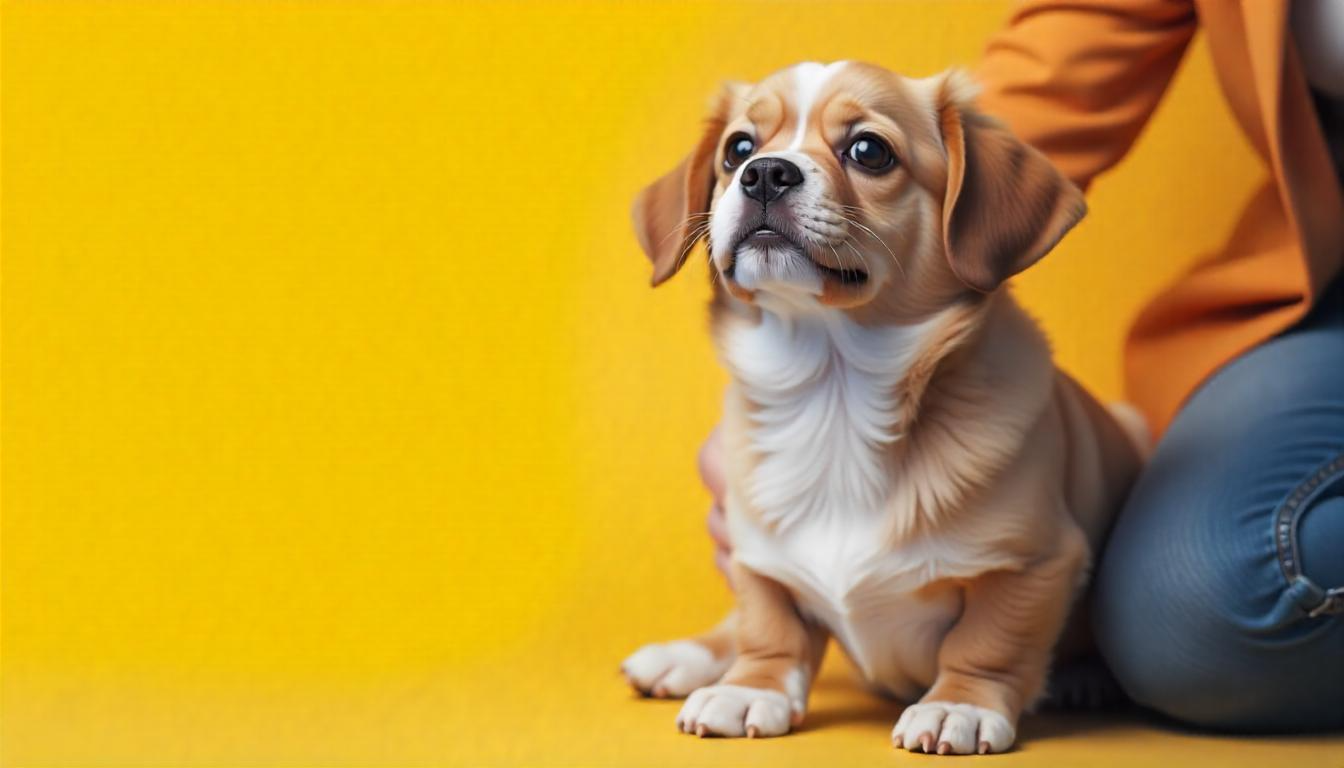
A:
(1219, 599)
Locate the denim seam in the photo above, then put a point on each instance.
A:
(1285, 520)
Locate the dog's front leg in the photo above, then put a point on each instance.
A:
(993, 662)
(764, 692)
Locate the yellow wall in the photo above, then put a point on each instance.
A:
(339, 423)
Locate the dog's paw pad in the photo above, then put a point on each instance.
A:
(735, 710)
(672, 669)
(945, 728)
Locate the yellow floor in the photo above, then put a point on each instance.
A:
(535, 710)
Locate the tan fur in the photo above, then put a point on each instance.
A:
(995, 441)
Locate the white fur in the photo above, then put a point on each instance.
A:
(759, 268)
(825, 392)
(673, 669)
(962, 727)
(809, 78)
(824, 395)
(727, 212)
(735, 710)
(796, 684)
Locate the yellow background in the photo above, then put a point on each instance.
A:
(340, 426)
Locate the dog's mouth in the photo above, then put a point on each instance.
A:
(765, 239)
(842, 275)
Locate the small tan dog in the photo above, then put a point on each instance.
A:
(907, 471)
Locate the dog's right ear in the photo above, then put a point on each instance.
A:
(669, 213)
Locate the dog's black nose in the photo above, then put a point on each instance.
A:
(767, 178)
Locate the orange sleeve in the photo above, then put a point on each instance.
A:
(1079, 78)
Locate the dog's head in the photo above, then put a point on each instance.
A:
(856, 187)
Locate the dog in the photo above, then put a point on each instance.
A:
(907, 471)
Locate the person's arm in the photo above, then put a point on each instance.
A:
(1078, 79)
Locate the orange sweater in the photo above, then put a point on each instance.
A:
(1079, 78)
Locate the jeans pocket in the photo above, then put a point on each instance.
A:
(1304, 598)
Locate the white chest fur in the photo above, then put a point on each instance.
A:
(823, 393)
(823, 390)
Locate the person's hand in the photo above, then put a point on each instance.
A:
(711, 474)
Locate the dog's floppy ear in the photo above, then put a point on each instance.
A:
(1006, 205)
(665, 212)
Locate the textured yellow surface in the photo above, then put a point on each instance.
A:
(339, 424)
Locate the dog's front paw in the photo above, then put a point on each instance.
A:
(952, 729)
(735, 710)
(672, 669)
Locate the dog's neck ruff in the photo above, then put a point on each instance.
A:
(825, 401)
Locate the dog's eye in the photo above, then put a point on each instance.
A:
(871, 153)
(737, 150)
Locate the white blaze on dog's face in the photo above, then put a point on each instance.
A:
(858, 188)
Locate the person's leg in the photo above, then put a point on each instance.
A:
(1214, 601)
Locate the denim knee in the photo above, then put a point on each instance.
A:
(1198, 618)
(1216, 599)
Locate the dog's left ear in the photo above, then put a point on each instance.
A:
(666, 212)
(1006, 205)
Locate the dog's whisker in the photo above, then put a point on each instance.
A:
(682, 224)
(838, 258)
(859, 253)
(714, 270)
(879, 240)
(862, 260)
(865, 261)
(696, 235)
